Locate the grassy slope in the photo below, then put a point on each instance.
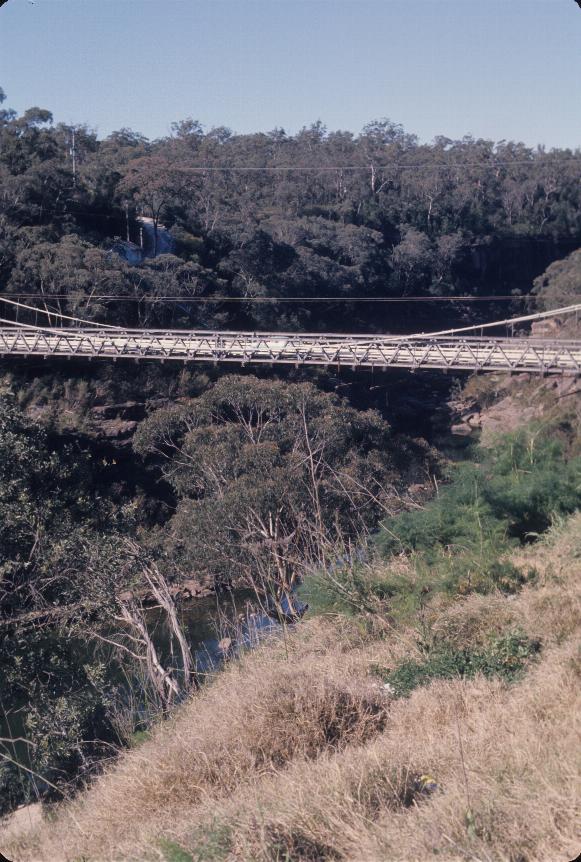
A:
(295, 753)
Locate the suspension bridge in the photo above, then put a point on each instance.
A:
(458, 349)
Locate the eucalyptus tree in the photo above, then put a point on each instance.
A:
(268, 474)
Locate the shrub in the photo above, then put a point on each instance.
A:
(506, 657)
(458, 542)
(510, 578)
(480, 572)
(172, 852)
(212, 843)
(329, 596)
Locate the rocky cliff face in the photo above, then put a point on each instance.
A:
(116, 422)
(492, 404)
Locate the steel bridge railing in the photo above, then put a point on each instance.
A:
(535, 355)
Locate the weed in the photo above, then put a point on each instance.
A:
(459, 542)
(211, 843)
(506, 657)
(172, 852)
(328, 596)
(138, 737)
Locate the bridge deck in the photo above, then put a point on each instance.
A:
(536, 355)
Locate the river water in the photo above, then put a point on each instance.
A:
(216, 627)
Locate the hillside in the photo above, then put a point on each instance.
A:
(429, 522)
(414, 713)
(298, 752)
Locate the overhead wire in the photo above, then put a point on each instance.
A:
(376, 167)
(18, 325)
(533, 162)
(536, 160)
(273, 299)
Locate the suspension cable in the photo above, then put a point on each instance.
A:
(540, 315)
(56, 314)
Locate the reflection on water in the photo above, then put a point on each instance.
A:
(216, 627)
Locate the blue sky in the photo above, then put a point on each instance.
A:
(493, 68)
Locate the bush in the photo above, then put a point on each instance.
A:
(506, 657)
(478, 571)
(510, 578)
(511, 494)
(172, 852)
(324, 595)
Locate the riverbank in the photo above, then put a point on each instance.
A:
(424, 705)
(300, 751)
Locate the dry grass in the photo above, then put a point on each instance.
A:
(517, 800)
(294, 754)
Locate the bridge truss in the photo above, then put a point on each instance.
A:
(437, 351)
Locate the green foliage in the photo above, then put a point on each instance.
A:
(43, 493)
(505, 657)
(459, 540)
(354, 587)
(560, 284)
(342, 588)
(382, 230)
(51, 519)
(55, 694)
(56, 691)
(211, 844)
(256, 462)
(172, 852)
(329, 596)
(138, 737)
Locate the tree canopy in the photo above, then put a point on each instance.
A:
(254, 463)
(277, 216)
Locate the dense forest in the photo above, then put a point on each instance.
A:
(276, 216)
(228, 480)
